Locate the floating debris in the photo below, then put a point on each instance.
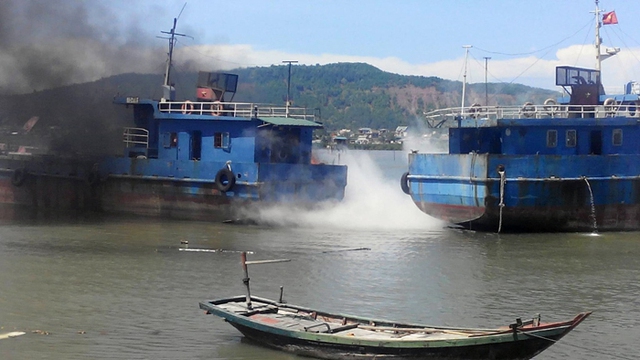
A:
(213, 250)
(351, 249)
(199, 250)
(11, 335)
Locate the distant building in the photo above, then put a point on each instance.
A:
(401, 132)
(362, 140)
(339, 142)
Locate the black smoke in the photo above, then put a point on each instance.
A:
(48, 45)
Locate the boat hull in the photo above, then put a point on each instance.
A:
(151, 187)
(48, 183)
(525, 348)
(319, 334)
(537, 193)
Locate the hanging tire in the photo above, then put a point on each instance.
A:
(93, 177)
(404, 183)
(18, 177)
(225, 180)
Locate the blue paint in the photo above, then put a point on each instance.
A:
(549, 154)
(267, 148)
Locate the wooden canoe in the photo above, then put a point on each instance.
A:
(323, 335)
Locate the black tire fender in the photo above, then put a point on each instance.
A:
(404, 183)
(225, 180)
(93, 177)
(19, 176)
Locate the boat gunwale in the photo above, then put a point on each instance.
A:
(498, 335)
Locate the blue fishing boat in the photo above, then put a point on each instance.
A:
(206, 157)
(570, 164)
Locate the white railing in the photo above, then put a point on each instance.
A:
(135, 136)
(235, 109)
(448, 117)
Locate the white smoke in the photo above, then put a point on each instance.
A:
(372, 202)
(424, 139)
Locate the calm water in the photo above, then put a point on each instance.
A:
(120, 288)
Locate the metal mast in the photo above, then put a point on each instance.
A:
(172, 40)
(464, 77)
(486, 86)
(609, 51)
(598, 39)
(288, 103)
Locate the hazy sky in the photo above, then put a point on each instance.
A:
(524, 39)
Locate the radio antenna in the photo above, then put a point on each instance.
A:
(172, 39)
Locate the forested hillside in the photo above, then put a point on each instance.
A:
(347, 95)
(359, 95)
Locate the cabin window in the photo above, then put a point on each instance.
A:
(617, 137)
(169, 140)
(552, 138)
(221, 140)
(571, 138)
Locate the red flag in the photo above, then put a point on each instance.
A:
(609, 18)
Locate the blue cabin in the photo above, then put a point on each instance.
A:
(203, 154)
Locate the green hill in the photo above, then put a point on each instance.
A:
(347, 95)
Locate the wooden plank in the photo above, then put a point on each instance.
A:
(266, 261)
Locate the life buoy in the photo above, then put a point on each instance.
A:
(550, 106)
(404, 183)
(475, 110)
(18, 177)
(225, 180)
(187, 107)
(633, 107)
(283, 155)
(216, 108)
(528, 110)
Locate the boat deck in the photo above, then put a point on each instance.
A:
(294, 319)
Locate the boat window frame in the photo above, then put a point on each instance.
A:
(170, 140)
(552, 138)
(617, 137)
(571, 139)
(221, 140)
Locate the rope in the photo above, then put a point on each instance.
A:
(577, 346)
(503, 180)
(592, 217)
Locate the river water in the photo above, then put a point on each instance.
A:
(104, 287)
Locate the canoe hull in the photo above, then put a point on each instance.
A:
(323, 335)
(526, 348)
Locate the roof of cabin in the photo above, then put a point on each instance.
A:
(289, 121)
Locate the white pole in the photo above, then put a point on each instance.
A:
(464, 77)
(598, 40)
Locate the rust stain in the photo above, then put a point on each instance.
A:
(264, 319)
